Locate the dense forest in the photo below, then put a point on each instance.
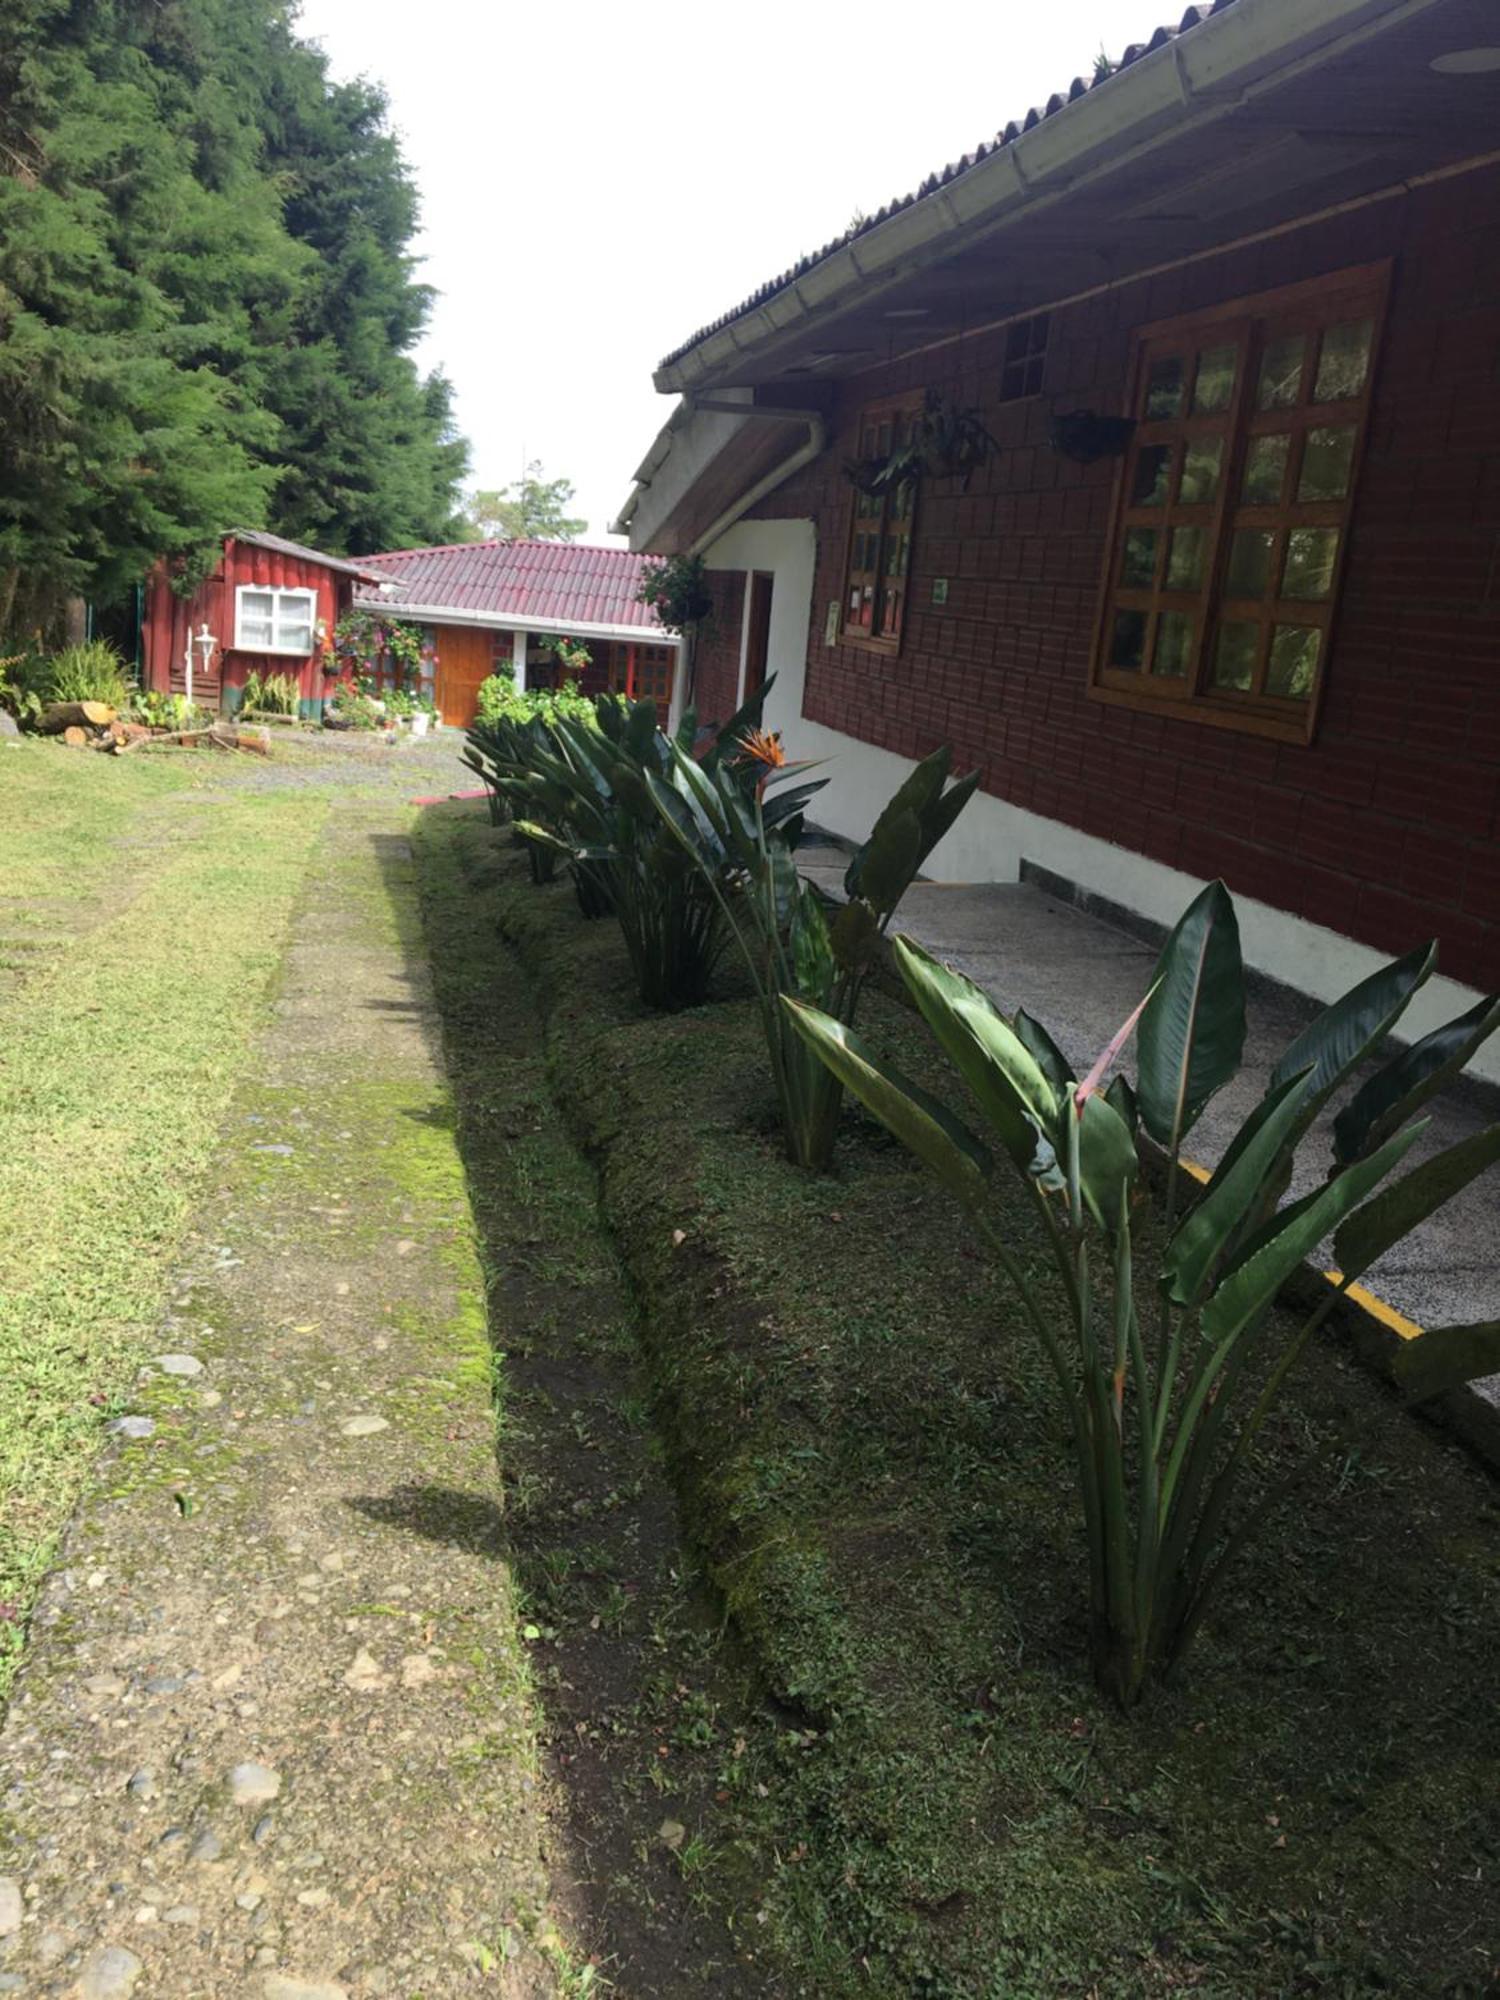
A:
(207, 300)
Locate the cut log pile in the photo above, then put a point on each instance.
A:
(94, 725)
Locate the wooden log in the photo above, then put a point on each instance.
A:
(74, 736)
(58, 717)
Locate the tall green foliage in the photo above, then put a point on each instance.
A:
(206, 301)
(1162, 1340)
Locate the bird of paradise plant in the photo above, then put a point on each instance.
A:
(1167, 1374)
(743, 844)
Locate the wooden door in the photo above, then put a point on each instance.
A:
(758, 636)
(465, 657)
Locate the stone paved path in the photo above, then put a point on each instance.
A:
(272, 1738)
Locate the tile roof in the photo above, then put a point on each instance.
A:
(563, 582)
(345, 565)
(1059, 101)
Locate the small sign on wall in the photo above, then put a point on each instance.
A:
(940, 590)
(831, 623)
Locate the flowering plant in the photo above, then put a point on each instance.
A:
(364, 637)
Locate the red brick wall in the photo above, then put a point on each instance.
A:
(716, 663)
(1385, 827)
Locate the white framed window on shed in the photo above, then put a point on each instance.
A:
(268, 620)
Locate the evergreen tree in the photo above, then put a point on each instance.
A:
(206, 300)
(531, 509)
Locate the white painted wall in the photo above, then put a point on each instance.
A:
(992, 837)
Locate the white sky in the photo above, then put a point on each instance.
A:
(598, 181)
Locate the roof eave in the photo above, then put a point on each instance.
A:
(527, 621)
(1192, 79)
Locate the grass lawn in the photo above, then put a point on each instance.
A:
(142, 918)
(869, 1456)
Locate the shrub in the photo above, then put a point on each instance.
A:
(583, 790)
(272, 694)
(165, 711)
(90, 672)
(1155, 1378)
(742, 842)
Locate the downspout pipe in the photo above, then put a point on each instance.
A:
(813, 446)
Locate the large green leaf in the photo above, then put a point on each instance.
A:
(812, 948)
(1009, 1083)
(891, 858)
(1192, 1033)
(856, 936)
(1050, 1058)
(941, 812)
(1249, 1286)
(1383, 1104)
(1398, 1209)
(1445, 1357)
(931, 1131)
(1344, 1033)
(1232, 1194)
(1106, 1159)
(914, 796)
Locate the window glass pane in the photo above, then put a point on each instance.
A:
(1200, 472)
(1138, 563)
(1281, 372)
(1153, 466)
(1127, 644)
(1174, 643)
(1215, 384)
(1310, 555)
(1293, 664)
(1184, 562)
(1164, 390)
(1344, 361)
(1249, 571)
(294, 638)
(1265, 468)
(1327, 460)
(1234, 655)
(255, 618)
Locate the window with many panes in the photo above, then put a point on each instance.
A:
(1233, 510)
(268, 620)
(880, 534)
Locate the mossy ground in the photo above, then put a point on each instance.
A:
(871, 1465)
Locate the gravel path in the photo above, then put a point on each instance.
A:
(272, 1737)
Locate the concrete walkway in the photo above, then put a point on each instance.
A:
(1080, 976)
(272, 1736)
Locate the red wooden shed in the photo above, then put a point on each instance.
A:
(269, 606)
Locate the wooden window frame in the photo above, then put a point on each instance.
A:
(1249, 324)
(871, 518)
(1025, 363)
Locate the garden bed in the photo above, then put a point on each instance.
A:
(867, 1453)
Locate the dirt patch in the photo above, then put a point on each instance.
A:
(274, 1723)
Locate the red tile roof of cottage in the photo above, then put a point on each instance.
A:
(945, 176)
(560, 582)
